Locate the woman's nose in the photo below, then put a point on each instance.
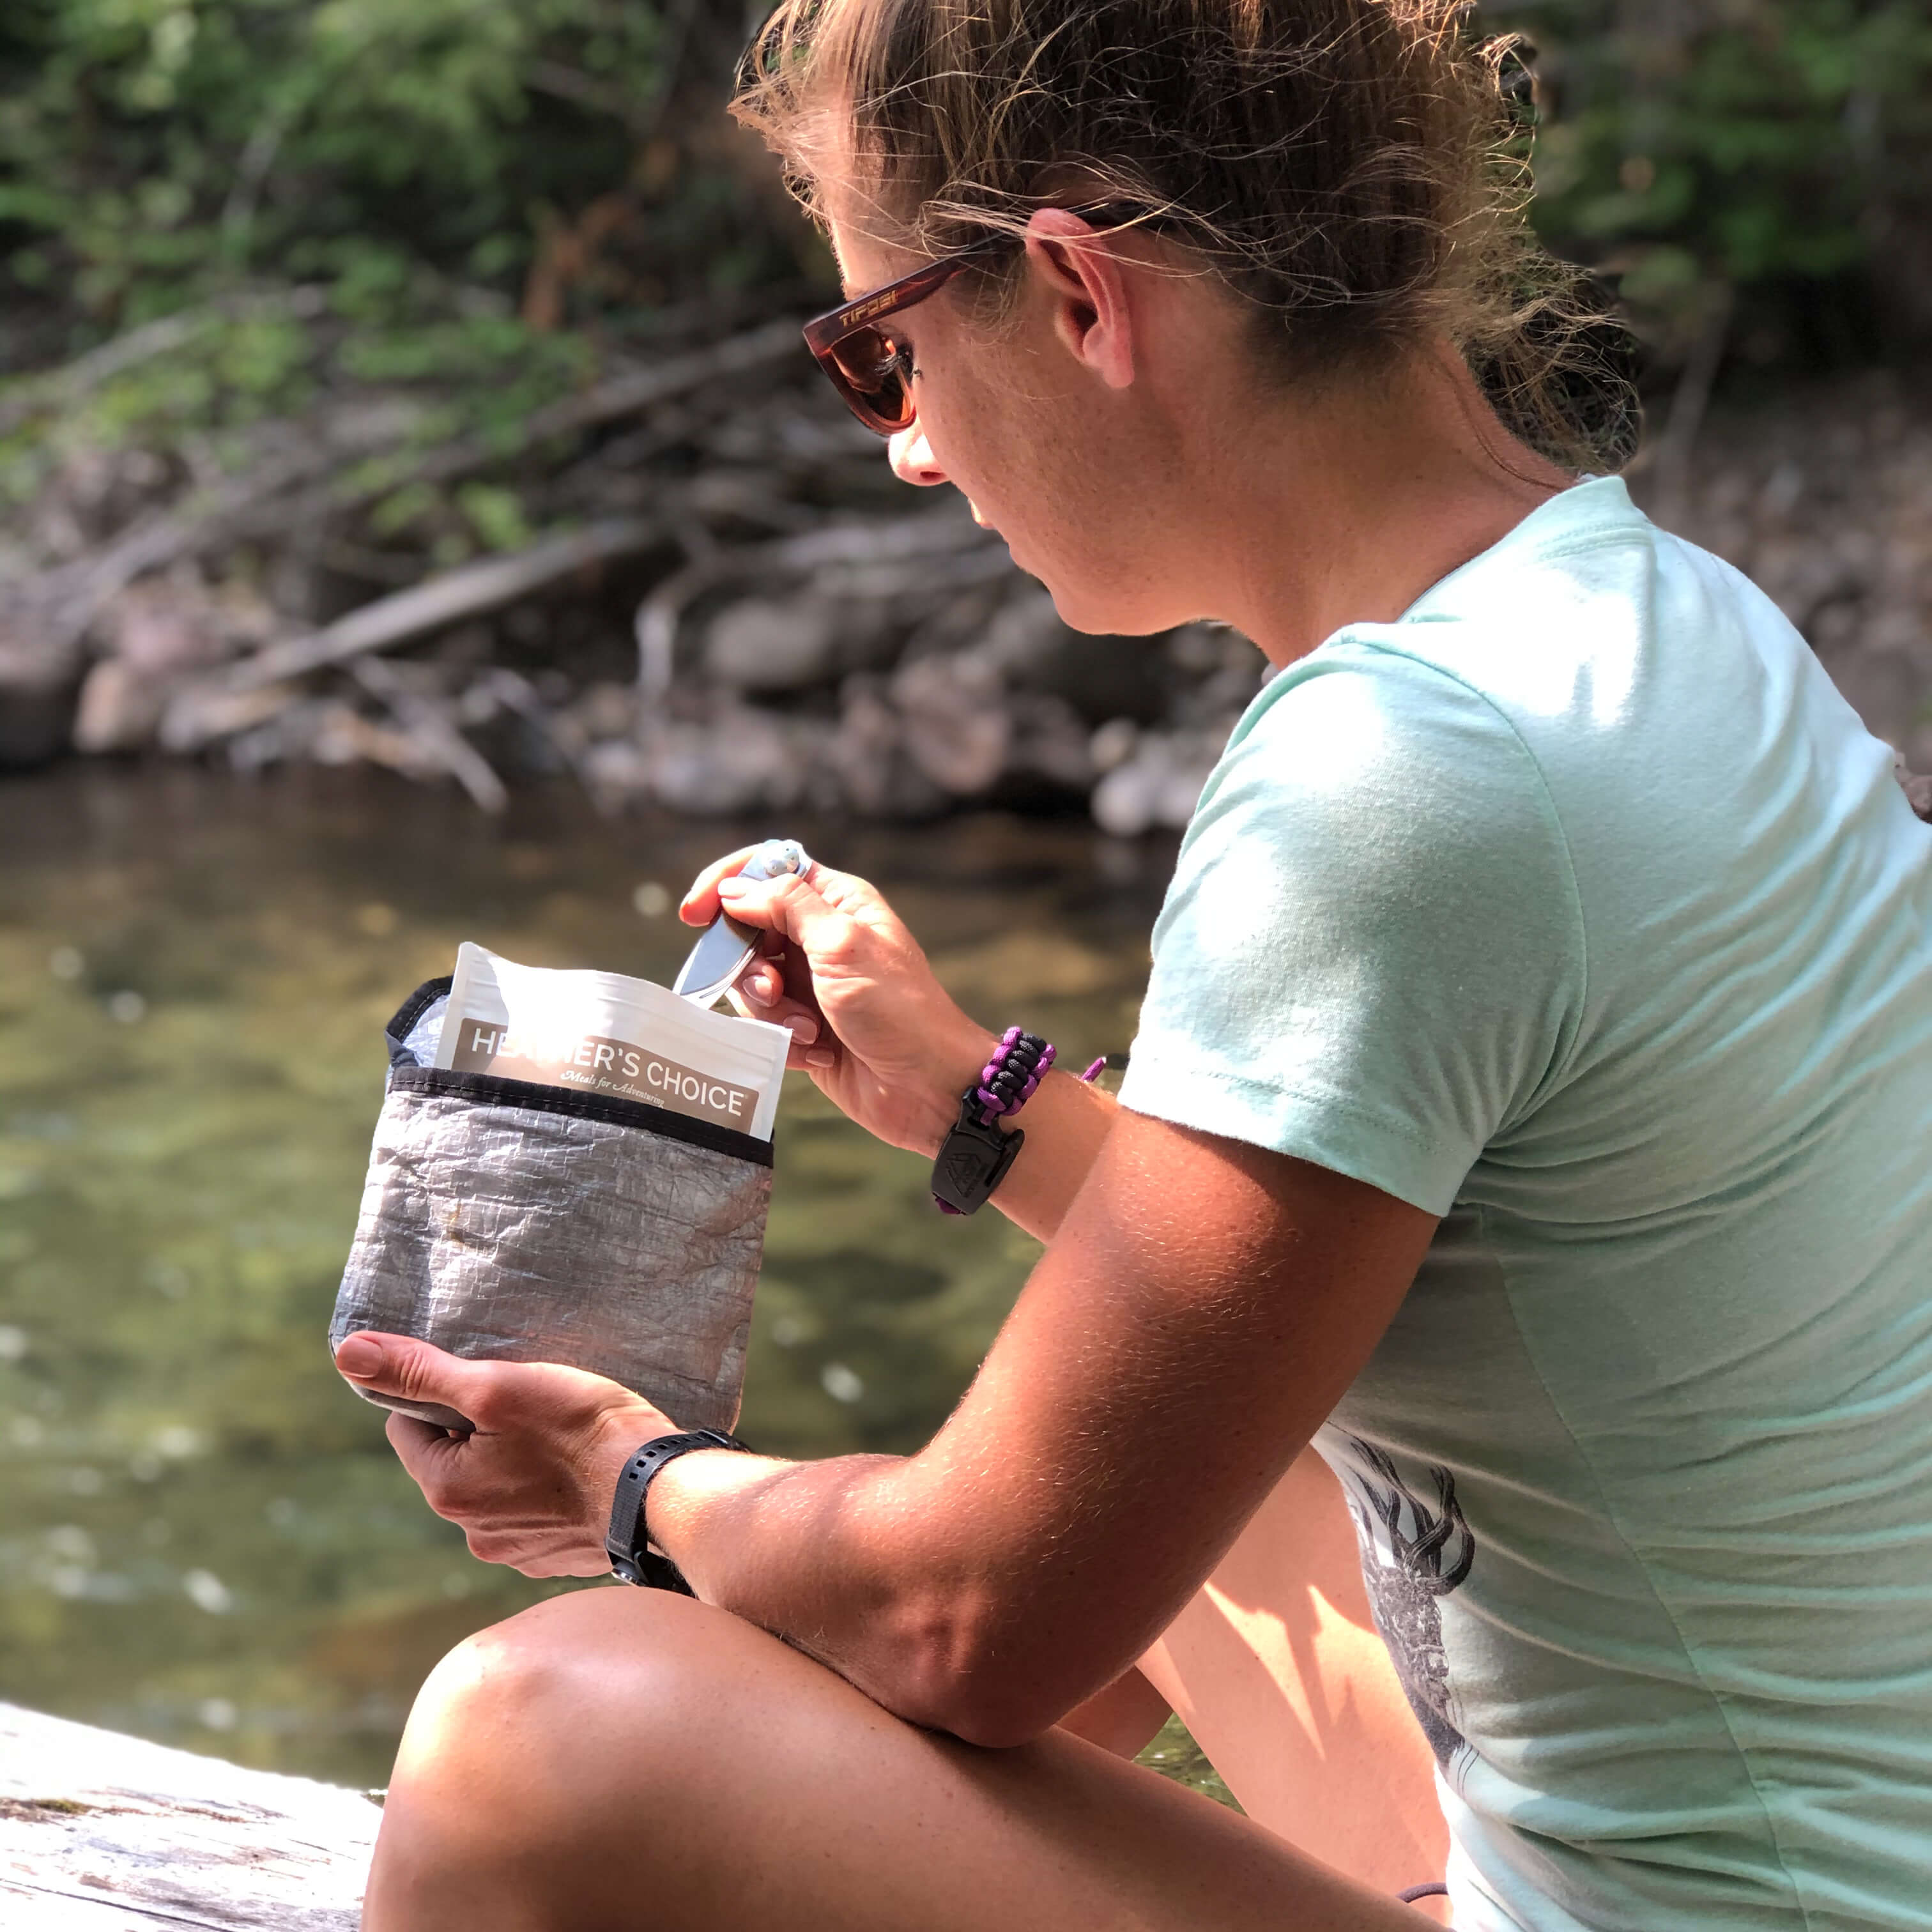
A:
(912, 459)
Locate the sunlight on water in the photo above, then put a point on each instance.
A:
(203, 1536)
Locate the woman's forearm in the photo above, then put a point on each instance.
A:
(1066, 1123)
(839, 1556)
(829, 1555)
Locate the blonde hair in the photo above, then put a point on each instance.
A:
(1357, 169)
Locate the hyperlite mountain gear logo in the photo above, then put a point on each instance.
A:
(1414, 1554)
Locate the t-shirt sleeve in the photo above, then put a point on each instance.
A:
(1372, 954)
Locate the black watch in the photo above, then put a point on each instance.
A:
(627, 1542)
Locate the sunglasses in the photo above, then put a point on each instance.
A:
(869, 369)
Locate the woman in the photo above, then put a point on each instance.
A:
(1527, 1109)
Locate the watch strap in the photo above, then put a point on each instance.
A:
(627, 1542)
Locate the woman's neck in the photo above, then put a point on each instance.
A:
(1345, 510)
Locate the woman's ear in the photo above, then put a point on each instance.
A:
(1081, 273)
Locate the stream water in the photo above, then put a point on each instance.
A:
(203, 1536)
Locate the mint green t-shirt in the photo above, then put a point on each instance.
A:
(1576, 907)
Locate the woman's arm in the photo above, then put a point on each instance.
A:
(1208, 1303)
(1125, 1718)
(883, 1040)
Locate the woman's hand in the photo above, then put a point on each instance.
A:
(872, 1025)
(533, 1486)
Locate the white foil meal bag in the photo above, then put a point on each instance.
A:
(569, 1167)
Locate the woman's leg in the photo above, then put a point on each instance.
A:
(620, 1760)
(1275, 1668)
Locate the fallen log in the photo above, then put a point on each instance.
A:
(55, 607)
(28, 396)
(427, 723)
(59, 605)
(446, 598)
(629, 393)
(103, 1833)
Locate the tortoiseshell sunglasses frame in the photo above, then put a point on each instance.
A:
(824, 333)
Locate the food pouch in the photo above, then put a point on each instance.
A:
(569, 1167)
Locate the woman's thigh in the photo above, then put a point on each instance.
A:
(1276, 1669)
(622, 1759)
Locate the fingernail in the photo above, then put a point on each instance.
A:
(733, 887)
(821, 1056)
(359, 1356)
(804, 1028)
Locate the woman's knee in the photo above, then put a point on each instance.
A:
(544, 1692)
(543, 1756)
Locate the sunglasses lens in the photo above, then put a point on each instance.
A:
(872, 373)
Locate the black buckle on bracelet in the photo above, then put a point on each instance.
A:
(973, 1158)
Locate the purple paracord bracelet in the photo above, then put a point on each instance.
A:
(993, 1104)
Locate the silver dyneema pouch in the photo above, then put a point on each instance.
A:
(507, 1220)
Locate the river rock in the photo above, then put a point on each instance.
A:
(773, 644)
(957, 727)
(120, 707)
(1158, 785)
(742, 759)
(1051, 743)
(153, 635)
(1101, 676)
(37, 710)
(877, 776)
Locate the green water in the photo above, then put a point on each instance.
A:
(203, 1536)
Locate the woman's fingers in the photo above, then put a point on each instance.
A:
(777, 986)
(762, 982)
(842, 891)
(796, 909)
(700, 904)
(778, 989)
(427, 1453)
(798, 1018)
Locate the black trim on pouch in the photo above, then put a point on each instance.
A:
(412, 1009)
(490, 1090)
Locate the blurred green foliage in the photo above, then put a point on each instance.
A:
(459, 206)
(445, 183)
(151, 149)
(458, 176)
(1773, 153)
